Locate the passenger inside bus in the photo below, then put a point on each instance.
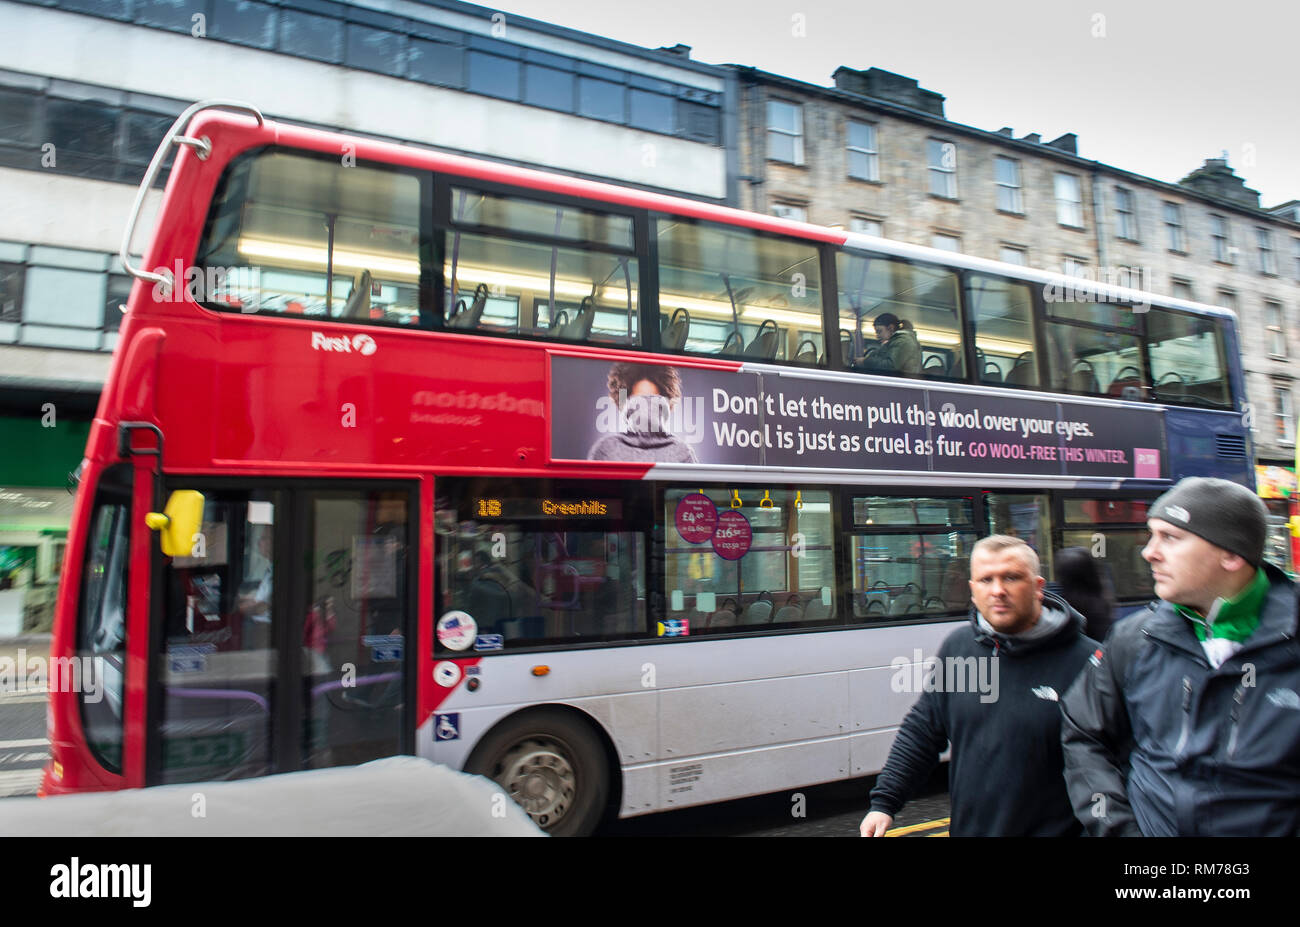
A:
(897, 350)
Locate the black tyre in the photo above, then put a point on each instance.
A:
(552, 765)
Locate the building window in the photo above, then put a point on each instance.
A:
(1075, 266)
(942, 158)
(1295, 253)
(1174, 227)
(1013, 254)
(1267, 262)
(1220, 243)
(864, 157)
(1181, 288)
(1069, 201)
(1283, 415)
(1125, 215)
(11, 294)
(867, 226)
(790, 211)
(1228, 299)
(1006, 173)
(600, 99)
(784, 132)
(1276, 336)
(945, 242)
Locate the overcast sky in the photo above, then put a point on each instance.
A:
(1151, 87)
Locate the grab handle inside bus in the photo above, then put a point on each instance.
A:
(178, 524)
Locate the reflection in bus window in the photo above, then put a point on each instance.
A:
(923, 298)
(734, 293)
(550, 270)
(748, 558)
(501, 285)
(1115, 534)
(1093, 349)
(534, 561)
(911, 556)
(1003, 316)
(1026, 517)
(309, 237)
(1187, 364)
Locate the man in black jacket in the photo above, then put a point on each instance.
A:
(1187, 720)
(1021, 648)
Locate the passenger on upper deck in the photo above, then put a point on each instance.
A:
(898, 350)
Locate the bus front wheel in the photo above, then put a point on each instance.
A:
(552, 765)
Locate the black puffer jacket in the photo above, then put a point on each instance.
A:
(1005, 775)
(1159, 742)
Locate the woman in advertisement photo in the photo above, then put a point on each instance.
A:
(646, 397)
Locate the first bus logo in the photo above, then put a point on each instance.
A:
(358, 344)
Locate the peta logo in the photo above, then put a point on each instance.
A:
(359, 344)
(1046, 692)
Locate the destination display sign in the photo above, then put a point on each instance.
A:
(664, 414)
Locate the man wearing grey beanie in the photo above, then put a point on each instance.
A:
(1186, 721)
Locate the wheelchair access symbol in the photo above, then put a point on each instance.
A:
(446, 727)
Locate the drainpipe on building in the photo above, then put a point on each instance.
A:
(1100, 225)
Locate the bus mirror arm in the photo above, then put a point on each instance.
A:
(202, 147)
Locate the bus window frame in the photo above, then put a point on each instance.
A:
(426, 247)
(442, 225)
(978, 527)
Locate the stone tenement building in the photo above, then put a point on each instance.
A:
(875, 154)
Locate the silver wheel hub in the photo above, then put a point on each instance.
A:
(540, 779)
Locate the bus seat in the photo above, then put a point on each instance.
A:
(580, 328)
(733, 346)
(934, 366)
(759, 612)
(766, 342)
(992, 373)
(1083, 379)
(358, 303)
(789, 613)
(815, 610)
(806, 353)
(905, 604)
(1022, 372)
(469, 318)
(673, 337)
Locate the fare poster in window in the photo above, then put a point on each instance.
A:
(632, 412)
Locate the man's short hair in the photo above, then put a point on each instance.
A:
(996, 543)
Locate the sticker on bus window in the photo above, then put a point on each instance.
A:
(446, 673)
(675, 627)
(733, 536)
(696, 517)
(489, 642)
(456, 630)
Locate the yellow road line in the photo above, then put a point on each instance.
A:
(912, 828)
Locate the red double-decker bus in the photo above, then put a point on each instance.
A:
(627, 502)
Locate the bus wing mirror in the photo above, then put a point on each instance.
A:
(178, 523)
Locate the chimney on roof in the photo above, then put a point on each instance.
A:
(1215, 178)
(890, 87)
(1067, 142)
(1007, 131)
(680, 50)
(1032, 137)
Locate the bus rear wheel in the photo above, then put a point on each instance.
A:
(552, 766)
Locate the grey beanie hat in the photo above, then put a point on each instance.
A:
(1226, 514)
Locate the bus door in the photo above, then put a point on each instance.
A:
(280, 642)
